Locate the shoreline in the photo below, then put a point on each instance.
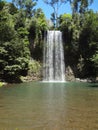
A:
(31, 78)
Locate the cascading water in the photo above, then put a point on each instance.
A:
(53, 57)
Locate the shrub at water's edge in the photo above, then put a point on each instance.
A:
(34, 71)
(2, 84)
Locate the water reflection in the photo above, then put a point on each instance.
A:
(54, 106)
(49, 106)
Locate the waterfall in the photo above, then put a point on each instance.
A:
(53, 57)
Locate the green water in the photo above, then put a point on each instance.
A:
(48, 106)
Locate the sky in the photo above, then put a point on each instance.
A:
(65, 8)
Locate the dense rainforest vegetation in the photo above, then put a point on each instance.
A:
(22, 29)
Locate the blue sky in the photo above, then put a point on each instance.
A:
(65, 8)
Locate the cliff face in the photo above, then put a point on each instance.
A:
(69, 74)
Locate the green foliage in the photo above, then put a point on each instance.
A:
(80, 33)
(94, 59)
(41, 20)
(19, 19)
(29, 8)
(6, 26)
(88, 41)
(34, 68)
(12, 9)
(26, 5)
(80, 5)
(2, 3)
(70, 33)
(21, 31)
(1, 84)
(14, 61)
(65, 22)
(19, 3)
(14, 51)
(36, 28)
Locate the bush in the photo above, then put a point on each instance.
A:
(34, 68)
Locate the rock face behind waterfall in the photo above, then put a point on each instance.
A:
(53, 57)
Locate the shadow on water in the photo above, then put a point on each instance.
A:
(93, 85)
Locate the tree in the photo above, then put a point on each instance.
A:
(37, 27)
(29, 8)
(2, 3)
(70, 31)
(81, 48)
(14, 51)
(88, 43)
(55, 4)
(12, 9)
(19, 3)
(94, 59)
(26, 5)
(21, 31)
(80, 5)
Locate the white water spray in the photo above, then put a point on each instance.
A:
(53, 57)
